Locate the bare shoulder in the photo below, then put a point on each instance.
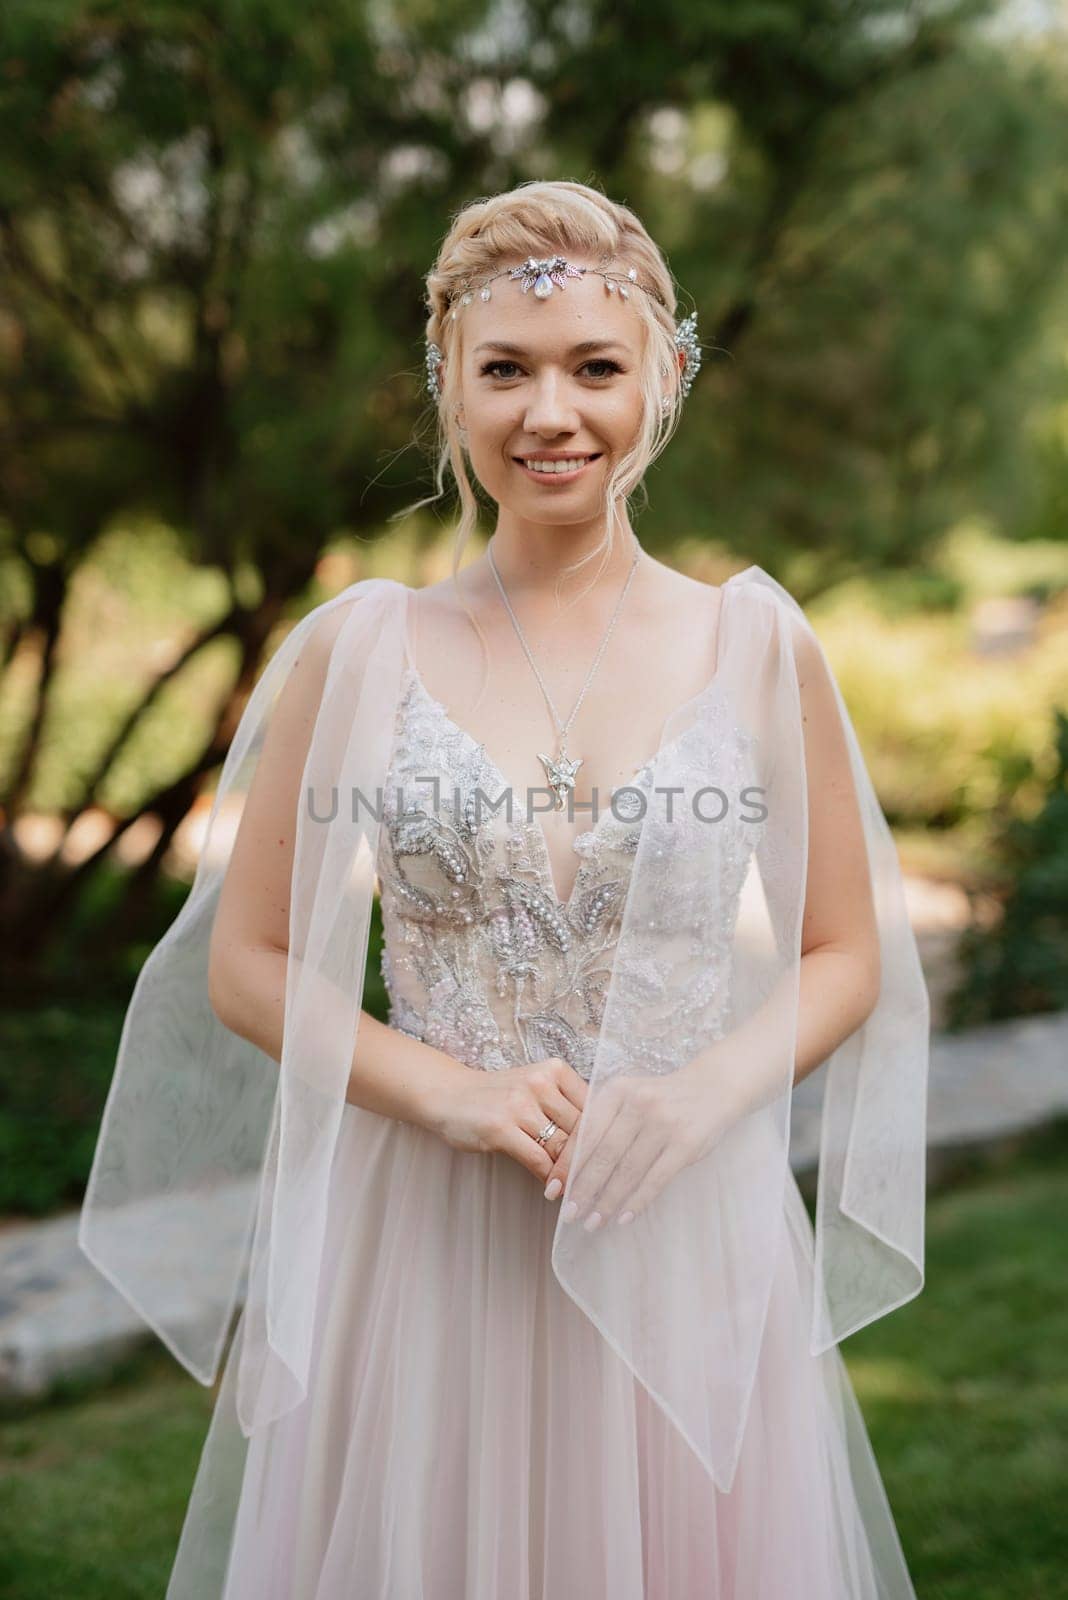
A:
(445, 595)
(447, 620)
(444, 609)
(323, 627)
(325, 621)
(679, 597)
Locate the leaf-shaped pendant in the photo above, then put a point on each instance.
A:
(561, 775)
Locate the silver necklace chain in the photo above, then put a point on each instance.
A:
(561, 771)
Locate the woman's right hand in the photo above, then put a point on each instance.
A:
(504, 1110)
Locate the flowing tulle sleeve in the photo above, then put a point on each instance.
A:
(707, 969)
(208, 1183)
(211, 1174)
(872, 1164)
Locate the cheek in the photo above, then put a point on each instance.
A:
(488, 457)
(626, 407)
(491, 427)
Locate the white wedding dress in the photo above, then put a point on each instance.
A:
(468, 1433)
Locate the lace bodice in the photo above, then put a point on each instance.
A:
(480, 957)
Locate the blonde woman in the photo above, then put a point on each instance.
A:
(534, 1307)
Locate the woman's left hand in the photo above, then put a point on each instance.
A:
(638, 1131)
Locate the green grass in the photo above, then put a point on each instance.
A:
(965, 1392)
(94, 1485)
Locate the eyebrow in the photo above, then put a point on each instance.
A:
(585, 348)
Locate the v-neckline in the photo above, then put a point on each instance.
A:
(533, 824)
(535, 827)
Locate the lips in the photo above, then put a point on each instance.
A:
(555, 474)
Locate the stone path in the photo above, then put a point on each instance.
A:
(59, 1317)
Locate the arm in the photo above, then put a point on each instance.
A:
(646, 1129)
(839, 978)
(391, 1073)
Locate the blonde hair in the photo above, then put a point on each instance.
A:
(543, 218)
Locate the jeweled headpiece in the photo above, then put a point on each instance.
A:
(548, 273)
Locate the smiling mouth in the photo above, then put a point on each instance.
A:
(551, 472)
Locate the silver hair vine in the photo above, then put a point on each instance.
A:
(552, 272)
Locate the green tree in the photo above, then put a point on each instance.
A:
(1019, 964)
(214, 222)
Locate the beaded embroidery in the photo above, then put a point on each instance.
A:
(480, 958)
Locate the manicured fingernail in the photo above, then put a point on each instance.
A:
(626, 1216)
(593, 1221)
(569, 1211)
(552, 1188)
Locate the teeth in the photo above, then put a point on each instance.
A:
(558, 466)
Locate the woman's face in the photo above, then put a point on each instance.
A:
(555, 377)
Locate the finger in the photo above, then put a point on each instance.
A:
(574, 1087)
(595, 1166)
(625, 1181)
(552, 1085)
(563, 1112)
(666, 1166)
(561, 1167)
(551, 1147)
(577, 1087)
(594, 1150)
(569, 1082)
(524, 1148)
(534, 1122)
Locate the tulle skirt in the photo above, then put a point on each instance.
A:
(469, 1435)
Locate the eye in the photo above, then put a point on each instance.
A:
(597, 361)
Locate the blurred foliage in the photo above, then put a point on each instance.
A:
(213, 233)
(958, 745)
(59, 1060)
(1019, 964)
(955, 740)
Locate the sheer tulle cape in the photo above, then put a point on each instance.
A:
(211, 1172)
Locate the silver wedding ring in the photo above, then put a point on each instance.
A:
(547, 1132)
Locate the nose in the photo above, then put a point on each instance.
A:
(550, 411)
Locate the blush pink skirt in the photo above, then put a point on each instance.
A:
(469, 1435)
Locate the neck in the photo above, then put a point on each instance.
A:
(535, 558)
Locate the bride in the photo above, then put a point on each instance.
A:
(533, 1305)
